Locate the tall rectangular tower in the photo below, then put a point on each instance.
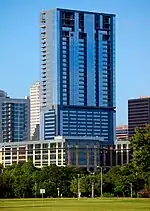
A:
(35, 111)
(138, 114)
(15, 119)
(77, 74)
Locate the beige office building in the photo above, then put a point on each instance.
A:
(58, 152)
(41, 153)
(34, 111)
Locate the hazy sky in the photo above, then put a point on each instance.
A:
(20, 45)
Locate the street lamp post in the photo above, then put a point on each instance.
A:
(131, 189)
(92, 173)
(101, 181)
(93, 186)
(92, 190)
(35, 188)
(58, 192)
(78, 187)
(101, 168)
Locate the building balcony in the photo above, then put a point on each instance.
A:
(43, 42)
(44, 60)
(43, 74)
(43, 50)
(43, 21)
(43, 36)
(43, 70)
(43, 46)
(43, 64)
(43, 26)
(64, 18)
(43, 54)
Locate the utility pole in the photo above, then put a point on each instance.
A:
(101, 181)
(131, 189)
(92, 189)
(78, 187)
(58, 192)
(35, 188)
(92, 173)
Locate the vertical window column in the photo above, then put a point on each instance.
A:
(43, 57)
(65, 68)
(97, 28)
(82, 68)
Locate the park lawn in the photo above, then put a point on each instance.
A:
(105, 204)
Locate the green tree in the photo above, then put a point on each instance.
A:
(21, 179)
(50, 188)
(78, 182)
(66, 175)
(118, 180)
(140, 145)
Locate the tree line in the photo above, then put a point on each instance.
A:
(133, 179)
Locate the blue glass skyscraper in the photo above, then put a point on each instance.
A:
(77, 74)
(14, 119)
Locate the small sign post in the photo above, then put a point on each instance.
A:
(42, 191)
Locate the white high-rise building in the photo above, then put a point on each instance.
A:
(34, 111)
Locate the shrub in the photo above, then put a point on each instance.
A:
(144, 194)
(108, 194)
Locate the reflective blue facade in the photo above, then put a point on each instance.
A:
(78, 74)
(15, 119)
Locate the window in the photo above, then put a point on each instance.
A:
(64, 47)
(64, 77)
(124, 146)
(59, 156)
(59, 145)
(37, 157)
(104, 134)
(64, 52)
(64, 60)
(81, 115)
(119, 146)
(45, 157)
(52, 156)
(81, 119)
(52, 145)
(37, 163)
(64, 64)
(64, 56)
(64, 94)
(59, 162)
(37, 146)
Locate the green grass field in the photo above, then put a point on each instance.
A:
(74, 204)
